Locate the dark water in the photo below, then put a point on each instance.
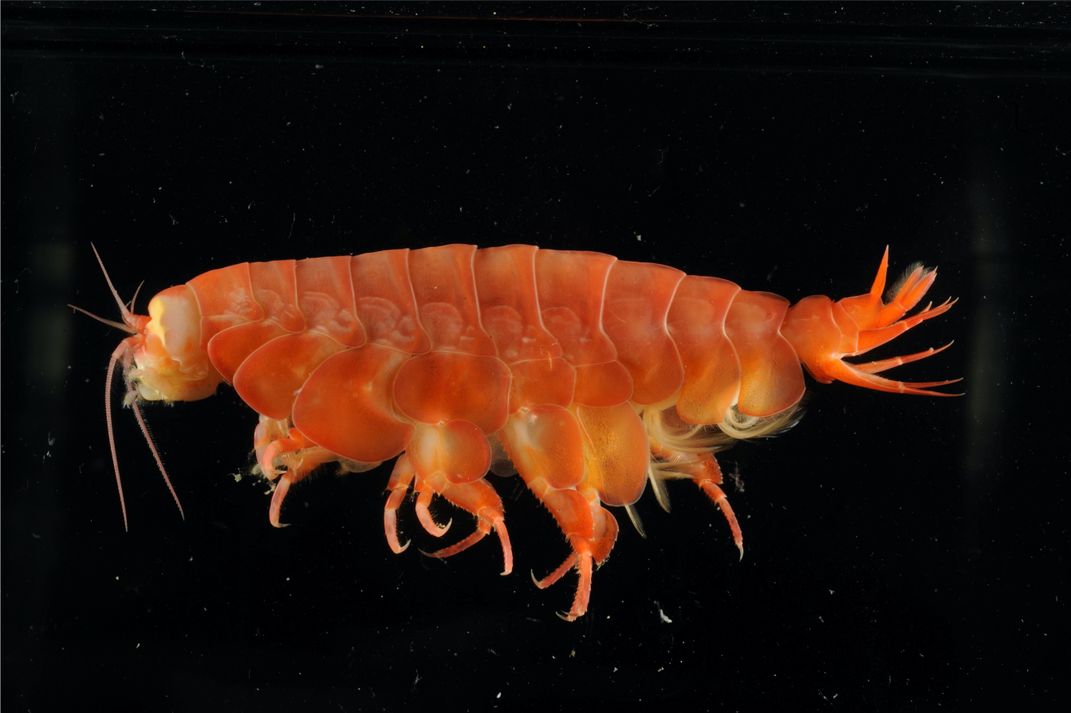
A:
(902, 553)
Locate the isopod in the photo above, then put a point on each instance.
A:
(588, 376)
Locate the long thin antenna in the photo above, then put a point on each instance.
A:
(123, 352)
(155, 453)
(130, 305)
(127, 325)
(120, 352)
(110, 322)
(127, 316)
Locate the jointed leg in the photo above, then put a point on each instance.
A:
(591, 531)
(480, 499)
(398, 486)
(703, 469)
(276, 445)
(476, 497)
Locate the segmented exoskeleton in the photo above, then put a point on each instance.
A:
(589, 376)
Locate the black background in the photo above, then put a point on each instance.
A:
(902, 553)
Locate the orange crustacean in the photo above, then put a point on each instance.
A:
(588, 376)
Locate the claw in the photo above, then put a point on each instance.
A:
(483, 527)
(584, 563)
(430, 526)
(583, 588)
(397, 547)
(398, 486)
(277, 498)
(557, 574)
(426, 520)
(390, 527)
(719, 498)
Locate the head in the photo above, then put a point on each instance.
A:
(162, 360)
(824, 332)
(169, 362)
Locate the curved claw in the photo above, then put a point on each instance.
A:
(399, 486)
(428, 522)
(584, 564)
(557, 574)
(719, 498)
(507, 548)
(266, 461)
(461, 545)
(484, 526)
(583, 588)
(424, 516)
(277, 498)
(476, 536)
(390, 530)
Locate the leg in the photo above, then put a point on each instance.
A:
(707, 475)
(703, 469)
(278, 446)
(400, 479)
(591, 531)
(481, 500)
(424, 495)
(546, 444)
(476, 497)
